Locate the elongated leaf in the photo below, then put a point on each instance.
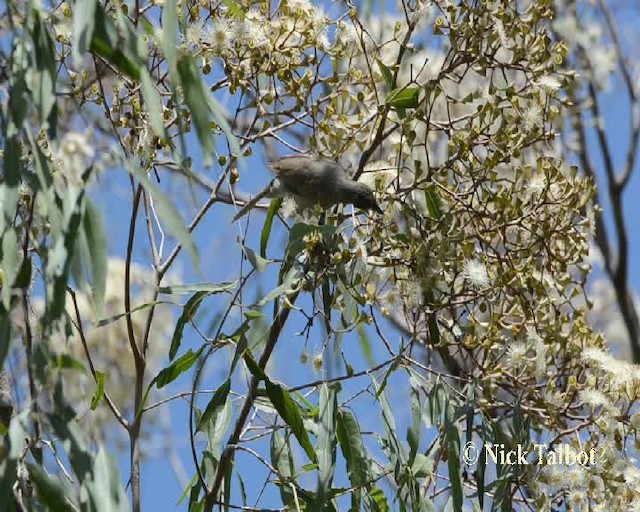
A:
(453, 463)
(288, 411)
(105, 486)
(379, 500)
(43, 76)
(282, 460)
(177, 368)
(168, 213)
(97, 242)
(353, 449)
(386, 74)
(111, 319)
(99, 393)
(235, 9)
(290, 283)
(406, 97)
(268, 223)
(188, 312)
(49, 490)
(215, 404)
(9, 265)
(184, 289)
(413, 433)
(153, 101)
(66, 362)
(196, 98)
(326, 442)
(434, 204)
(108, 43)
(253, 367)
(84, 13)
(256, 261)
(170, 38)
(12, 168)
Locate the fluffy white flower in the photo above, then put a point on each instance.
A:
(289, 207)
(412, 293)
(532, 117)
(632, 476)
(537, 184)
(516, 355)
(193, 34)
(548, 83)
(594, 398)
(475, 272)
(218, 35)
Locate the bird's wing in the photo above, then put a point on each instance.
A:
(310, 178)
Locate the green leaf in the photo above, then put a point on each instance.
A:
(326, 442)
(185, 289)
(84, 14)
(97, 242)
(353, 449)
(112, 45)
(43, 75)
(241, 344)
(188, 312)
(19, 94)
(288, 411)
(378, 499)
(168, 213)
(434, 204)
(282, 460)
(268, 223)
(111, 319)
(453, 463)
(434, 330)
(253, 367)
(256, 261)
(235, 9)
(49, 490)
(422, 466)
(99, 393)
(215, 404)
(153, 102)
(386, 74)
(169, 34)
(9, 265)
(291, 283)
(5, 337)
(12, 168)
(105, 486)
(177, 368)
(66, 362)
(406, 97)
(413, 433)
(195, 96)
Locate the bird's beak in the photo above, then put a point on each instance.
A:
(376, 208)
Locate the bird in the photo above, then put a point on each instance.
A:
(310, 180)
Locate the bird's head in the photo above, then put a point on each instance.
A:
(363, 197)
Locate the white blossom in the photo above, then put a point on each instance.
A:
(548, 83)
(532, 117)
(516, 355)
(218, 35)
(289, 207)
(475, 272)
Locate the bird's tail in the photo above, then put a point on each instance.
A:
(252, 202)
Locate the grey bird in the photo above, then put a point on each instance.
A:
(311, 180)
